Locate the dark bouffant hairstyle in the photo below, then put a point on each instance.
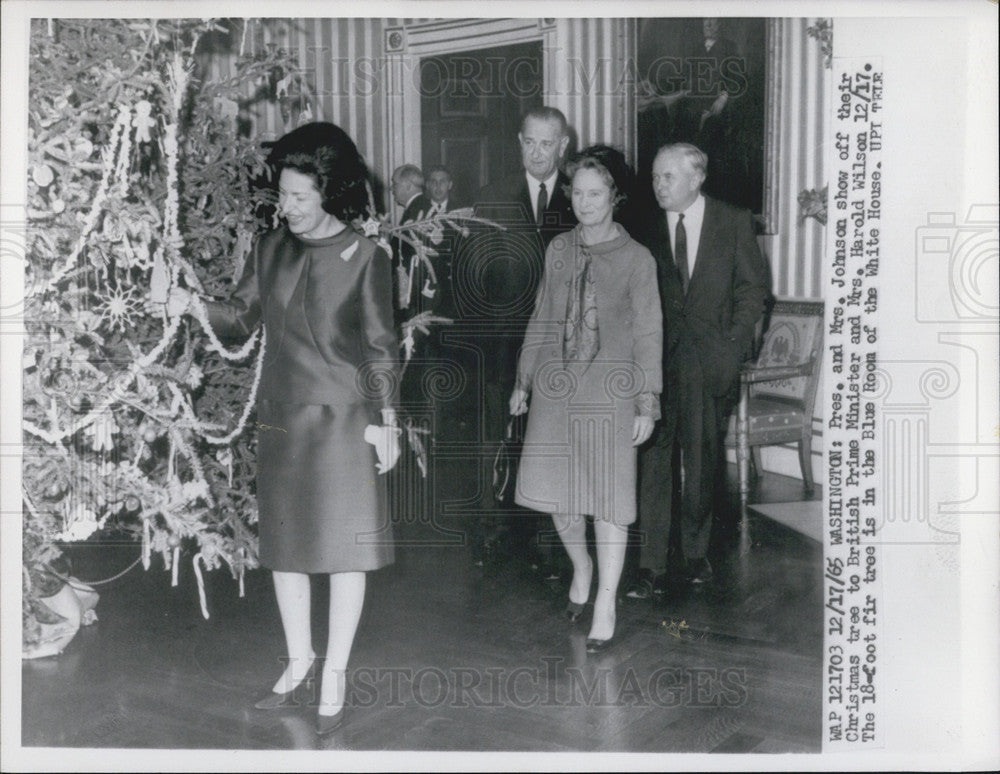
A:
(610, 164)
(326, 153)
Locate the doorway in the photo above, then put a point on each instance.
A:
(471, 103)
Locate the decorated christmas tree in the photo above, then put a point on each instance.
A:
(141, 177)
(144, 176)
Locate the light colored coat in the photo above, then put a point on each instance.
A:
(578, 456)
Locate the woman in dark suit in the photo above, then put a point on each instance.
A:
(591, 361)
(324, 294)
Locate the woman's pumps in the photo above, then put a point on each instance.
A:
(599, 646)
(299, 695)
(327, 724)
(574, 610)
(595, 645)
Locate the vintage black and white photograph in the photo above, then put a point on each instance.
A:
(472, 385)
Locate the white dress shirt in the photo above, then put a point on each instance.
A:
(694, 216)
(438, 207)
(534, 185)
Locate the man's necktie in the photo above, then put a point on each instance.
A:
(541, 204)
(681, 251)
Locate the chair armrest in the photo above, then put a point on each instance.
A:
(751, 374)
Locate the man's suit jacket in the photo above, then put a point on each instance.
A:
(496, 272)
(416, 209)
(709, 329)
(510, 261)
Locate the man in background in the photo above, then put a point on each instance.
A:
(439, 185)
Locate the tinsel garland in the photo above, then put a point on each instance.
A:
(203, 429)
(116, 395)
(97, 207)
(176, 505)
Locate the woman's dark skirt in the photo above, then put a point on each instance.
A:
(323, 506)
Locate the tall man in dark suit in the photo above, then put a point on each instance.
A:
(713, 287)
(497, 274)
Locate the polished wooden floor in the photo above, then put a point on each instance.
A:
(453, 656)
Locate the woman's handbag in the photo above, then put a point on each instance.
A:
(506, 459)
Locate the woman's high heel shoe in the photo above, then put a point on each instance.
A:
(327, 724)
(599, 646)
(574, 610)
(296, 697)
(596, 645)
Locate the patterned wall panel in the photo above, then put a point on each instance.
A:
(588, 79)
(796, 250)
(344, 64)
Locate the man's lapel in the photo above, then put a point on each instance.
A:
(559, 211)
(707, 248)
(663, 234)
(527, 208)
(415, 210)
(557, 198)
(665, 258)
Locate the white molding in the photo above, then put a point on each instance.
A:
(436, 37)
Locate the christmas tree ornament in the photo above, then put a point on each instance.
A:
(159, 279)
(119, 307)
(42, 175)
(143, 121)
(175, 566)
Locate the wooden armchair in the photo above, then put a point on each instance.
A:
(778, 390)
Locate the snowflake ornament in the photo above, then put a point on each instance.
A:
(119, 308)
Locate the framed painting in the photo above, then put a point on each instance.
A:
(711, 82)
